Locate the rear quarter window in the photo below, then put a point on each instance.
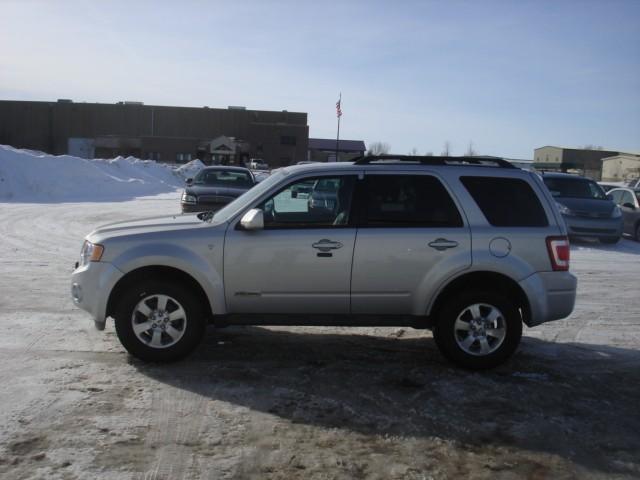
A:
(506, 202)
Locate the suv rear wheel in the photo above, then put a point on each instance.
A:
(159, 321)
(478, 330)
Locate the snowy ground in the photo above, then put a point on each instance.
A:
(304, 402)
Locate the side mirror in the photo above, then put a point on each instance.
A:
(629, 205)
(189, 181)
(252, 220)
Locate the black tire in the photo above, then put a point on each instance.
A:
(610, 240)
(193, 325)
(638, 232)
(445, 334)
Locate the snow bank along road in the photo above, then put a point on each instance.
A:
(304, 402)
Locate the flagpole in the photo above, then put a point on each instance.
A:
(338, 134)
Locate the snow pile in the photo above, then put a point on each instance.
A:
(27, 176)
(189, 170)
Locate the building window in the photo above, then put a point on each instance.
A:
(287, 140)
(183, 157)
(153, 156)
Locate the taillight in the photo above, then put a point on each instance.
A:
(558, 248)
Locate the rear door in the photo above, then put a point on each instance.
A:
(411, 234)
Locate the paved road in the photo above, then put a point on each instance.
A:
(305, 402)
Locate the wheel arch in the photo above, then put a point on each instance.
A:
(158, 272)
(484, 280)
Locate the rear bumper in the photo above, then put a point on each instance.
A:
(90, 288)
(593, 227)
(552, 296)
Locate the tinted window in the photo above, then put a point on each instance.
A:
(223, 178)
(574, 188)
(408, 201)
(506, 202)
(311, 203)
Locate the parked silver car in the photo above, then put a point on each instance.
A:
(468, 248)
(628, 200)
(585, 207)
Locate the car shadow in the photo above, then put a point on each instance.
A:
(573, 400)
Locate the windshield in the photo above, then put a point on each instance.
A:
(574, 188)
(223, 178)
(249, 196)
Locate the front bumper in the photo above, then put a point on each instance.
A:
(552, 296)
(593, 227)
(91, 285)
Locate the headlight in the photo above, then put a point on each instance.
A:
(91, 252)
(186, 198)
(563, 210)
(616, 213)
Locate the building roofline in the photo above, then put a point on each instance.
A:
(145, 105)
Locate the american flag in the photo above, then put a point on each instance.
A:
(338, 108)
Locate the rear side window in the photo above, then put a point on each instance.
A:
(506, 202)
(408, 201)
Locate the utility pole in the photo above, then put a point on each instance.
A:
(338, 114)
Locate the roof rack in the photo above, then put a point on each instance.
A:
(430, 160)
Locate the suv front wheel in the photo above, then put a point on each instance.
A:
(478, 330)
(159, 321)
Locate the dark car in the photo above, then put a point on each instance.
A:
(629, 202)
(585, 207)
(213, 187)
(324, 194)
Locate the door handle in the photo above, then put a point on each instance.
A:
(441, 244)
(326, 245)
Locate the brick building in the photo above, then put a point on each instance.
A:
(167, 134)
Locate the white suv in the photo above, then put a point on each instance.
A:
(468, 248)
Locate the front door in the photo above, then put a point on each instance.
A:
(301, 261)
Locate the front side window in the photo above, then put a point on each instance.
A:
(627, 197)
(223, 178)
(616, 196)
(408, 201)
(311, 203)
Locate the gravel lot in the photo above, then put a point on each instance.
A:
(305, 403)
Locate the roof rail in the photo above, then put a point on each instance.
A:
(430, 160)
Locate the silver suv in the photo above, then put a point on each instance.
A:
(468, 248)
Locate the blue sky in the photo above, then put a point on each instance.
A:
(508, 75)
